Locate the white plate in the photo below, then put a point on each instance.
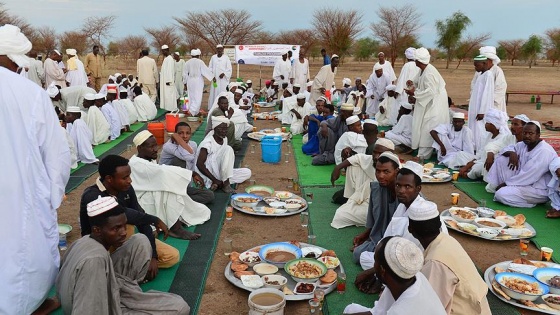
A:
(252, 281)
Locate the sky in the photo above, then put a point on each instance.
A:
(503, 19)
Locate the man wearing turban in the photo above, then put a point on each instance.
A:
(76, 75)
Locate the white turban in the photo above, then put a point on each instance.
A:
(377, 66)
(346, 81)
(71, 52)
(73, 109)
(490, 53)
(219, 46)
(164, 47)
(231, 85)
(403, 257)
(347, 106)
(117, 75)
(406, 105)
(195, 52)
(422, 55)
(522, 117)
(409, 53)
(89, 96)
(111, 77)
(141, 137)
(351, 120)
(14, 45)
(249, 81)
(458, 115)
(497, 118)
(422, 210)
(414, 167)
(371, 121)
(390, 155)
(101, 205)
(310, 83)
(300, 96)
(218, 120)
(390, 87)
(385, 143)
(52, 90)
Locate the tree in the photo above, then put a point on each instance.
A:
(531, 48)
(46, 39)
(113, 49)
(467, 48)
(337, 29)
(130, 46)
(450, 32)
(97, 29)
(7, 18)
(305, 38)
(165, 35)
(226, 27)
(364, 48)
(396, 28)
(263, 37)
(76, 40)
(512, 48)
(553, 45)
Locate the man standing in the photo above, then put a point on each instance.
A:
(453, 142)
(326, 58)
(36, 168)
(148, 76)
(387, 67)
(94, 67)
(193, 76)
(220, 65)
(431, 107)
(179, 65)
(36, 72)
(376, 89)
(282, 69)
(324, 79)
(53, 72)
(408, 72)
(481, 100)
(76, 75)
(300, 70)
(500, 84)
(167, 90)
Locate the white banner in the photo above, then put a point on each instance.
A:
(230, 52)
(263, 55)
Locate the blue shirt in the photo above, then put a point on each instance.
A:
(326, 60)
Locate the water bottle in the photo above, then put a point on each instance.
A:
(532, 99)
(62, 245)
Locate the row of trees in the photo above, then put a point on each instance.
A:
(338, 31)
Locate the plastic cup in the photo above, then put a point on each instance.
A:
(229, 213)
(455, 175)
(228, 246)
(62, 245)
(252, 148)
(295, 185)
(454, 199)
(304, 218)
(309, 196)
(546, 253)
(129, 147)
(314, 306)
(482, 203)
(287, 156)
(341, 283)
(312, 239)
(254, 129)
(283, 129)
(523, 247)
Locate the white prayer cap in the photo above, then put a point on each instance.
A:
(377, 66)
(310, 83)
(101, 205)
(323, 98)
(422, 55)
(218, 120)
(14, 45)
(141, 137)
(381, 54)
(403, 257)
(89, 96)
(422, 210)
(334, 56)
(371, 121)
(219, 46)
(290, 91)
(496, 118)
(177, 53)
(457, 115)
(99, 96)
(390, 87)
(352, 120)
(490, 52)
(295, 85)
(57, 52)
(195, 52)
(117, 75)
(414, 167)
(346, 81)
(52, 90)
(522, 117)
(122, 89)
(249, 81)
(73, 109)
(392, 156)
(385, 143)
(164, 47)
(300, 96)
(347, 106)
(112, 77)
(406, 105)
(275, 83)
(536, 123)
(232, 84)
(409, 52)
(71, 52)
(239, 91)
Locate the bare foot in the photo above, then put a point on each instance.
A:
(48, 306)
(227, 189)
(553, 214)
(184, 234)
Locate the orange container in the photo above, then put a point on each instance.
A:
(158, 130)
(171, 120)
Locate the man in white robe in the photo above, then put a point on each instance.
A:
(145, 107)
(387, 67)
(408, 72)
(128, 105)
(119, 108)
(215, 159)
(298, 112)
(167, 91)
(36, 72)
(81, 135)
(282, 69)
(521, 175)
(481, 99)
(76, 75)
(220, 65)
(554, 190)
(194, 73)
(500, 84)
(300, 70)
(36, 168)
(430, 99)
(110, 115)
(401, 133)
(68, 96)
(388, 108)
(179, 65)
(288, 101)
(162, 189)
(95, 120)
(53, 72)
(351, 142)
(453, 142)
(225, 106)
(148, 76)
(324, 79)
(376, 89)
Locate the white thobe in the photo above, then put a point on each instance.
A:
(287, 104)
(162, 191)
(239, 119)
(300, 72)
(194, 73)
(145, 108)
(73, 150)
(387, 70)
(489, 144)
(355, 141)
(36, 168)
(282, 68)
(72, 96)
(53, 73)
(167, 89)
(408, 72)
(391, 107)
(114, 120)
(122, 111)
(500, 88)
(554, 185)
(76, 74)
(179, 85)
(324, 79)
(296, 127)
(98, 125)
(376, 88)
(481, 100)
(82, 138)
(130, 109)
(36, 72)
(458, 144)
(402, 131)
(218, 65)
(431, 108)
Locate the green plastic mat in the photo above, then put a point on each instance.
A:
(547, 229)
(311, 175)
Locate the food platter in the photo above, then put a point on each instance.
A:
(277, 207)
(291, 283)
(490, 274)
(267, 115)
(505, 234)
(258, 135)
(265, 104)
(436, 176)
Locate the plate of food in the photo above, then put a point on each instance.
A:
(260, 190)
(265, 104)
(269, 132)
(271, 207)
(435, 175)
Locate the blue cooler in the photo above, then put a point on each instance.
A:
(271, 149)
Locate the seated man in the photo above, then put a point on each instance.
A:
(287, 102)
(454, 142)
(128, 105)
(162, 189)
(223, 107)
(145, 108)
(397, 264)
(80, 134)
(215, 159)
(447, 266)
(114, 180)
(68, 96)
(554, 190)
(95, 120)
(401, 133)
(94, 281)
(180, 151)
(330, 131)
(381, 211)
(388, 108)
(111, 116)
(370, 132)
(312, 122)
(520, 176)
(112, 91)
(240, 102)
(299, 111)
(351, 142)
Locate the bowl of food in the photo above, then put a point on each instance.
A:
(489, 223)
(264, 269)
(305, 270)
(467, 227)
(279, 253)
(484, 212)
(64, 228)
(462, 215)
(304, 288)
(252, 281)
(274, 281)
(250, 258)
(330, 262)
(519, 286)
(549, 277)
(294, 204)
(311, 252)
(283, 194)
(246, 200)
(487, 233)
(507, 219)
(260, 190)
(181, 115)
(192, 118)
(552, 300)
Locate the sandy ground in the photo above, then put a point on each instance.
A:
(248, 231)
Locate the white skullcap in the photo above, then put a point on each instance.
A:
(322, 98)
(422, 55)
(177, 53)
(409, 52)
(101, 205)
(414, 167)
(490, 53)
(239, 91)
(522, 117)
(347, 106)
(141, 137)
(71, 51)
(390, 87)
(496, 118)
(385, 143)
(406, 105)
(392, 156)
(117, 75)
(381, 53)
(297, 85)
(536, 123)
(334, 56)
(89, 96)
(290, 91)
(422, 210)
(52, 90)
(112, 77)
(195, 52)
(377, 66)
(219, 46)
(352, 119)
(403, 257)
(14, 45)
(300, 96)
(346, 81)
(122, 89)
(57, 52)
(457, 115)
(164, 47)
(99, 96)
(249, 81)
(218, 120)
(73, 109)
(371, 121)
(310, 83)
(275, 83)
